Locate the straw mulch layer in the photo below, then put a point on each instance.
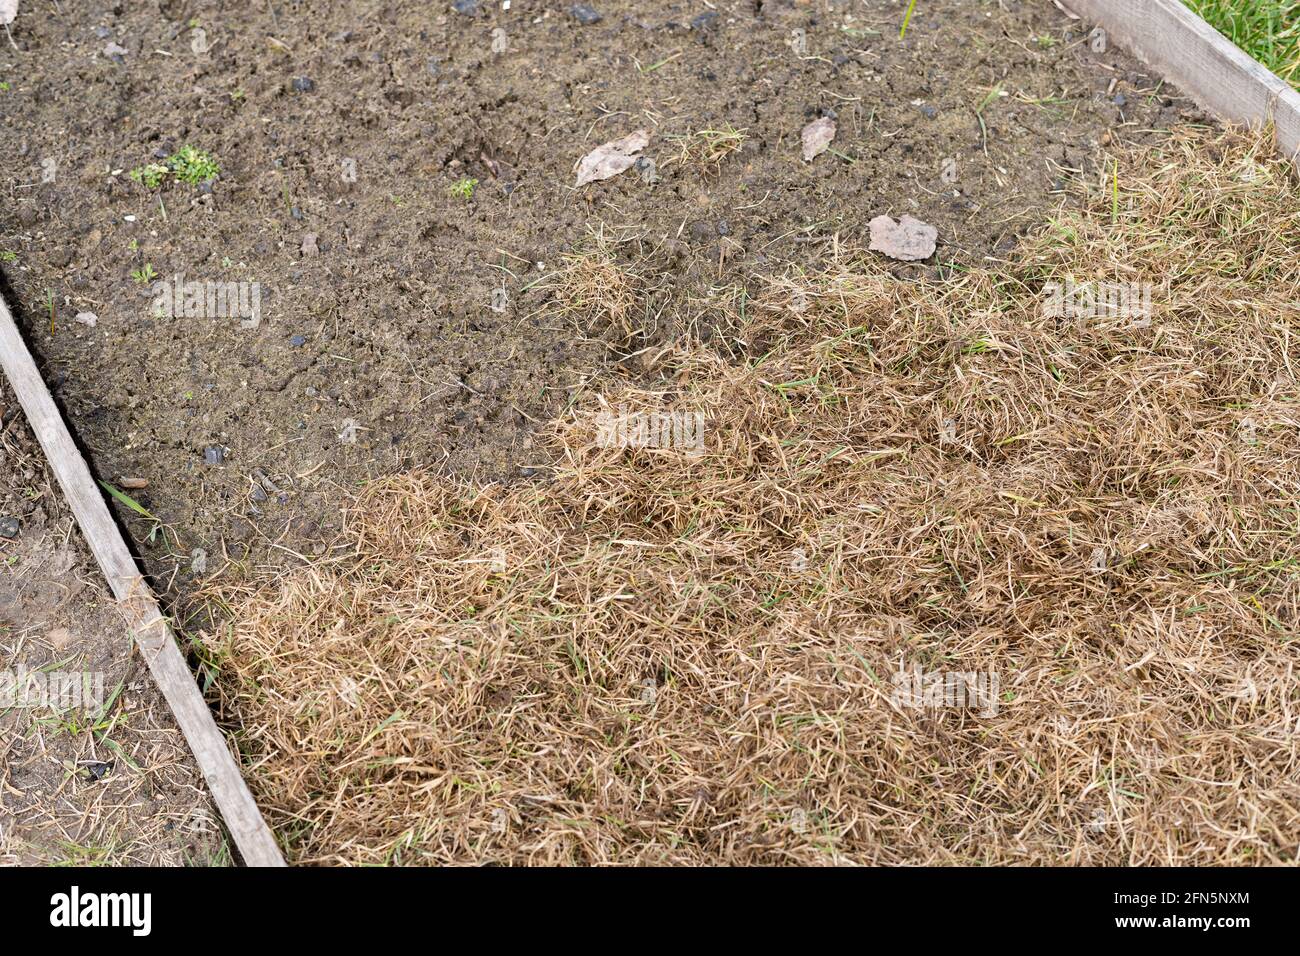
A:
(671, 656)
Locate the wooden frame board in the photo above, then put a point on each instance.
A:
(1184, 49)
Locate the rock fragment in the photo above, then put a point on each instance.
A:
(817, 137)
(908, 240)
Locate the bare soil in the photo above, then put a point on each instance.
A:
(389, 329)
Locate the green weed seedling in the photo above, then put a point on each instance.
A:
(186, 165)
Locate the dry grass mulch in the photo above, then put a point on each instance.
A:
(668, 656)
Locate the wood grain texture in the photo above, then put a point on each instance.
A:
(148, 626)
(1206, 65)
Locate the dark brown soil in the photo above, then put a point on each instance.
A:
(390, 325)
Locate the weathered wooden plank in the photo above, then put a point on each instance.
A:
(1205, 64)
(148, 627)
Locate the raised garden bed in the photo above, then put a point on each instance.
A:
(405, 278)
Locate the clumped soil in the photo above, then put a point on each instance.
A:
(109, 782)
(384, 329)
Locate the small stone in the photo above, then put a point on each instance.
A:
(214, 455)
(303, 84)
(298, 341)
(87, 318)
(295, 212)
(909, 239)
(133, 484)
(309, 247)
(929, 112)
(816, 138)
(9, 527)
(705, 20)
(584, 14)
(468, 7)
(198, 561)
(115, 52)
(103, 32)
(258, 493)
(1120, 100)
